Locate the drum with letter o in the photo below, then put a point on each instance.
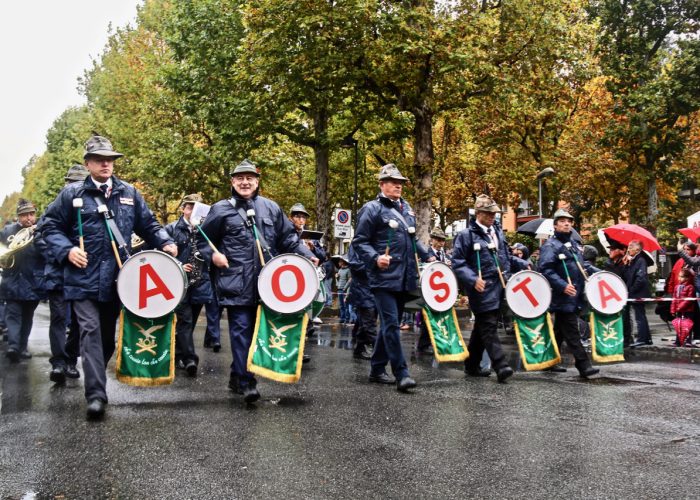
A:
(528, 294)
(151, 284)
(606, 292)
(288, 283)
(438, 286)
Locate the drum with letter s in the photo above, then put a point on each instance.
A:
(151, 284)
(438, 286)
(528, 294)
(288, 283)
(606, 292)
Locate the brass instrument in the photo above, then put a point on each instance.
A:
(196, 261)
(17, 242)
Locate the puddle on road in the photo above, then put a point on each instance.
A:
(612, 381)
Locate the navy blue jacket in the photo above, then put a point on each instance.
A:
(371, 237)
(25, 279)
(360, 294)
(635, 276)
(464, 265)
(60, 230)
(179, 231)
(53, 270)
(237, 284)
(553, 269)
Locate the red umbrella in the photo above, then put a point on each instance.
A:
(690, 232)
(624, 233)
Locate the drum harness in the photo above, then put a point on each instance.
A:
(112, 227)
(249, 223)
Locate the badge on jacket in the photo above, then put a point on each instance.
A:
(126, 201)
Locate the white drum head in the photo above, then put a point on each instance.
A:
(606, 292)
(438, 286)
(288, 283)
(151, 284)
(528, 294)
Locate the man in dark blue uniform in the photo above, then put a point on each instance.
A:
(236, 268)
(89, 277)
(64, 349)
(567, 287)
(364, 331)
(22, 283)
(389, 221)
(199, 289)
(479, 252)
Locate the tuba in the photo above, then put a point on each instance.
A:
(17, 242)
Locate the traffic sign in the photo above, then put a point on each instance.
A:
(342, 222)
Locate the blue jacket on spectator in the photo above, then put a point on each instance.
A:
(465, 266)
(60, 231)
(635, 276)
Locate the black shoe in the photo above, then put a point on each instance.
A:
(233, 384)
(382, 378)
(555, 369)
(478, 372)
(504, 373)
(589, 371)
(641, 343)
(250, 394)
(57, 375)
(361, 355)
(95, 409)
(305, 358)
(25, 354)
(191, 368)
(71, 371)
(405, 384)
(12, 355)
(216, 346)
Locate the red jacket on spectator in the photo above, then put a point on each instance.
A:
(683, 290)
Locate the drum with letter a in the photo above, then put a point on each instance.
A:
(151, 284)
(606, 292)
(438, 286)
(528, 294)
(288, 283)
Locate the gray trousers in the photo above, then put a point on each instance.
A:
(19, 317)
(97, 324)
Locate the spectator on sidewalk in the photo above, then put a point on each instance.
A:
(638, 288)
(684, 309)
(342, 279)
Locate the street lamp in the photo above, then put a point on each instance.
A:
(347, 143)
(545, 172)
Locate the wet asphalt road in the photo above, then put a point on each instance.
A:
(634, 432)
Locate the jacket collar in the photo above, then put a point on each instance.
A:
(88, 185)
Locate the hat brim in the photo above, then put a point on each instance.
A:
(438, 236)
(103, 152)
(394, 178)
(300, 212)
(75, 179)
(493, 210)
(26, 211)
(244, 172)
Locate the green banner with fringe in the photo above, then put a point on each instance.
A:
(278, 345)
(536, 343)
(607, 337)
(445, 335)
(146, 349)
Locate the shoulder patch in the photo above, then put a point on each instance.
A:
(126, 201)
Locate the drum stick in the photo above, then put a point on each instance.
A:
(211, 245)
(562, 258)
(492, 247)
(393, 225)
(477, 249)
(103, 210)
(578, 263)
(251, 215)
(78, 204)
(412, 232)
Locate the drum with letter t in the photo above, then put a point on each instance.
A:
(528, 294)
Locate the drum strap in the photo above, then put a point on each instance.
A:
(401, 217)
(244, 216)
(109, 220)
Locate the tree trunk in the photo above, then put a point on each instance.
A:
(423, 159)
(321, 156)
(652, 204)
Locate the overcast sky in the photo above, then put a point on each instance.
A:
(45, 45)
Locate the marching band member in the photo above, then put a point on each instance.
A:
(383, 242)
(481, 262)
(299, 216)
(90, 274)
(199, 289)
(64, 350)
(364, 331)
(558, 264)
(22, 285)
(232, 229)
